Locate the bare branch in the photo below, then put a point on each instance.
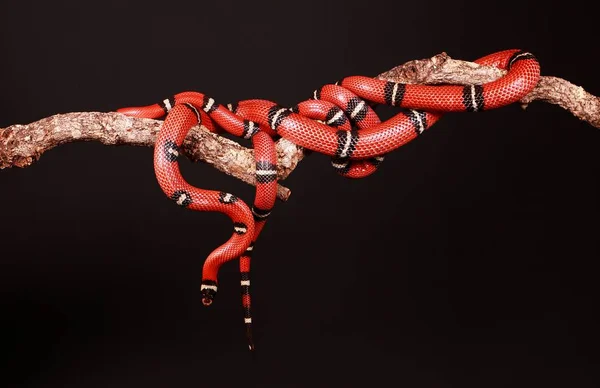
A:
(573, 98)
(21, 145)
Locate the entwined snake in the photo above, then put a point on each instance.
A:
(339, 120)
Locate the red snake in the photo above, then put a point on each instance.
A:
(339, 121)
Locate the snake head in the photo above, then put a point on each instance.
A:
(208, 290)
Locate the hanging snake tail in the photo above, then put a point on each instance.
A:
(264, 201)
(184, 111)
(215, 116)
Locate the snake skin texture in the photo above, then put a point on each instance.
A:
(339, 120)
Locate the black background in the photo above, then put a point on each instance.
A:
(467, 260)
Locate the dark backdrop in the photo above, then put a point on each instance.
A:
(466, 261)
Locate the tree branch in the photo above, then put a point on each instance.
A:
(21, 145)
(441, 69)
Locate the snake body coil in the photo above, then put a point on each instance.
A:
(339, 121)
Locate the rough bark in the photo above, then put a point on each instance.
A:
(21, 145)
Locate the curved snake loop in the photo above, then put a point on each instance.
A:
(339, 120)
